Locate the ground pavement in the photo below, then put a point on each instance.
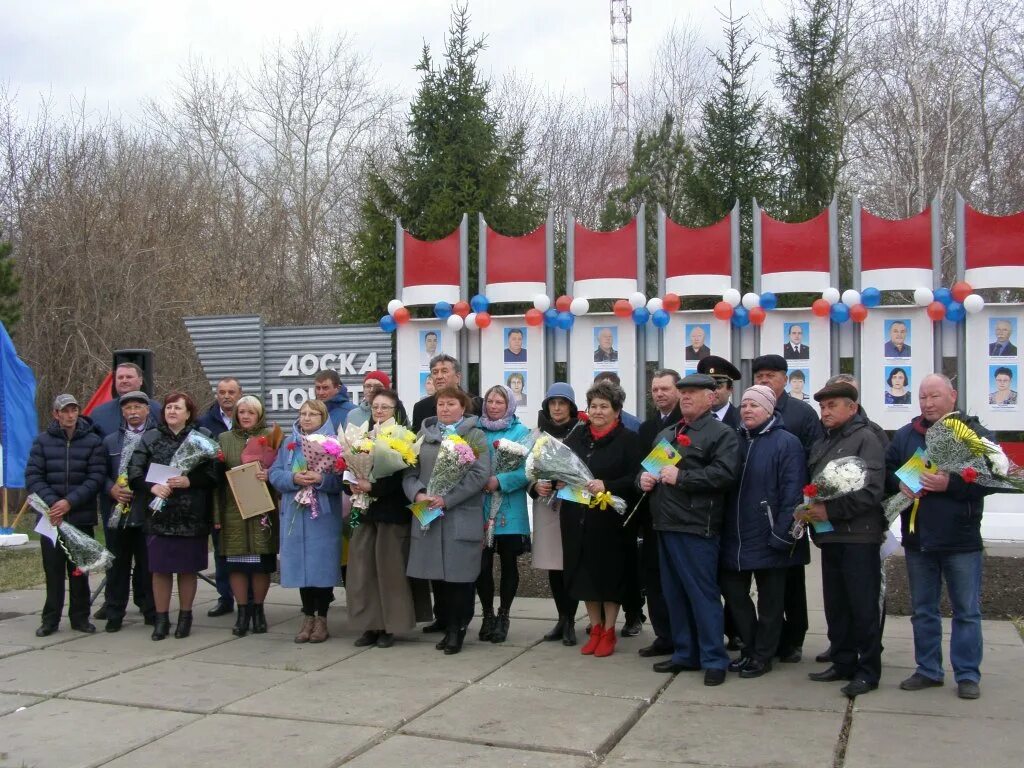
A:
(213, 700)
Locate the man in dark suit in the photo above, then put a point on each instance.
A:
(1002, 347)
(795, 349)
(724, 373)
(445, 372)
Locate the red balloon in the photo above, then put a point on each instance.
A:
(723, 310)
(671, 302)
(821, 307)
(533, 317)
(461, 308)
(622, 308)
(483, 319)
(563, 302)
(757, 315)
(961, 291)
(401, 315)
(936, 311)
(858, 313)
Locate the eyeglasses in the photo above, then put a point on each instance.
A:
(382, 407)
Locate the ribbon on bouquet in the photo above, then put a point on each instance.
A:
(602, 500)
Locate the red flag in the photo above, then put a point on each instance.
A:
(101, 395)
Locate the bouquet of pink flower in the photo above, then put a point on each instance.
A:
(318, 453)
(453, 461)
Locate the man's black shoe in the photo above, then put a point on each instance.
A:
(113, 625)
(45, 631)
(739, 663)
(755, 668)
(101, 613)
(671, 667)
(714, 677)
(918, 682)
(222, 608)
(85, 626)
(825, 656)
(655, 649)
(632, 628)
(829, 675)
(149, 620)
(437, 626)
(855, 688)
(968, 689)
(791, 656)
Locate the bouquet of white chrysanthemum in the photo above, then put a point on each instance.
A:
(122, 508)
(195, 449)
(84, 551)
(840, 477)
(551, 459)
(508, 457)
(358, 453)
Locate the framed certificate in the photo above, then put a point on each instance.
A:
(251, 494)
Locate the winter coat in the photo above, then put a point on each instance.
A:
(946, 522)
(187, 511)
(238, 535)
(708, 471)
(801, 420)
(512, 517)
(755, 531)
(310, 548)
(450, 548)
(427, 407)
(857, 517)
(361, 414)
(112, 445)
(107, 417)
(72, 468)
(547, 527)
(338, 408)
(212, 422)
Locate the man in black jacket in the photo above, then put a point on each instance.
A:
(687, 504)
(66, 470)
(445, 372)
(849, 530)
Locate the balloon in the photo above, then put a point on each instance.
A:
(479, 303)
(660, 318)
(563, 302)
(769, 301)
(821, 307)
(723, 310)
(461, 309)
(565, 320)
(401, 315)
(534, 317)
(483, 319)
(851, 297)
(732, 296)
(831, 295)
(550, 317)
(936, 311)
(955, 312)
(442, 310)
(654, 304)
(740, 317)
(671, 302)
(471, 322)
(871, 297)
(751, 300)
(388, 324)
(641, 315)
(393, 305)
(961, 291)
(758, 315)
(622, 308)
(579, 306)
(923, 296)
(637, 300)
(974, 304)
(455, 322)
(839, 313)
(858, 313)
(943, 296)
(541, 302)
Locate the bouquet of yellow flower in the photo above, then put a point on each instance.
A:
(394, 449)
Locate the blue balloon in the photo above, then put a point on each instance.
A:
(641, 315)
(479, 303)
(660, 318)
(565, 320)
(769, 301)
(871, 297)
(442, 310)
(840, 313)
(944, 296)
(740, 317)
(955, 312)
(388, 324)
(551, 317)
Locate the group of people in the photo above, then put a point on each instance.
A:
(694, 536)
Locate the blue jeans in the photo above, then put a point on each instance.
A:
(962, 572)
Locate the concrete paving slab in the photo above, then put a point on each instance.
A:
(920, 741)
(276, 651)
(553, 666)
(49, 672)
(9, 702)
(22, 601)
(267, 743)
(279, 595)
(337, 624)
(545, 719)
(522, 632)
(11, 650)
(735, 736)
(623, 762)
(22, 631)
(419, 661)
(412, 750)
(355, 697)
(134, 640)
(188, 686)
(35, 736)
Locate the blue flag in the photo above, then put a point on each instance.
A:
(18, 420)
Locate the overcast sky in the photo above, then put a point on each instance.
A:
(118, 52)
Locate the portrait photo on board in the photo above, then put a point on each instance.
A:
(606, 342)
(798, 383)
(515, 345)
(1002, 391)
(698, 338)
(897, 338)
(516, 381)
(430, 345)
(897, 385)
(795, 340)
(1002, 332)
(426, 384)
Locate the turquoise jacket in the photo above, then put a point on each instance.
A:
(512, 517)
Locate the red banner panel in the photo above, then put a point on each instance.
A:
(431, 262)
(799, 247)
(702, 251)
(899, 244)
(601, 255)
(993, 241)
(517, 259)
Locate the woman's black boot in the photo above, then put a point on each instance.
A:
(557, 631)
(487, 626)
(569, 630)
(500, 633)
(259, 619)
(184, 627)
(161, 626)
(454, 644)
(241, 628)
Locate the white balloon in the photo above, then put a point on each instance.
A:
(471, 322)
(732, 296)
(579, 306)
(637, 300)
(831, 295)
(654, 304)
(542, 302)
(923, 297)
(751, 300)
(455, 323)
(394, 305)
(974, 304)
(851, 298)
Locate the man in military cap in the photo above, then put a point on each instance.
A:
(724, 373)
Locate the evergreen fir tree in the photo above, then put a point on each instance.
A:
(10, 305)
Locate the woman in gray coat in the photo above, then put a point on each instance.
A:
(448, 551)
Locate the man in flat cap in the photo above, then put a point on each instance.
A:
(724, 373)
(850, 562)
(687, 506)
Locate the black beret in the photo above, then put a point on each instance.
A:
(698, 380)
(769, 363)
(837, 389)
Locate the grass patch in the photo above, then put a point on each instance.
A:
(20, 569)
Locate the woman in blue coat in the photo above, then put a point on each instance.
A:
(511, 524)
(755, 532)
(310, 548)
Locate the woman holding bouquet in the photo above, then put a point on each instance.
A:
(448, 551)
(594, 540)
(310, 535)
(509, 521)
(177, 532)
(249, 545)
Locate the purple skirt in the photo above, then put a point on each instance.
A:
(177, 554)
